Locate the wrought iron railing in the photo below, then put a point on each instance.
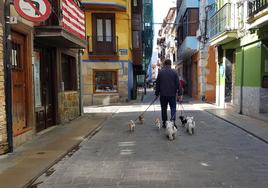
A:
(256, 6)
(223, 20)
(102, 45)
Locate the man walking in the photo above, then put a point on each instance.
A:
(167, 86)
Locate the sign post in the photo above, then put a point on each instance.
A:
(33, 10)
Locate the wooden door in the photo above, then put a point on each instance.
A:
(103, 34)
(18, 59)
(45, 116)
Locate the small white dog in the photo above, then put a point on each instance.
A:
(190, 125)
(157, 123)
(171, 130)
(131, 126)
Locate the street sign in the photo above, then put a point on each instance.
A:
(33, 10)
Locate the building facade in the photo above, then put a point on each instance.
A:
(203, 61)
(58, 43)
(188, 21)
(166, 38)
(107, 66)
(44, 79)
(3, 125)
(238, 29)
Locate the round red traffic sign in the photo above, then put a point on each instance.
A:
(33, 10)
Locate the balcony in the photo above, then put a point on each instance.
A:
(257, 13)
(60, 31)
(103, 46)
(256, 6)
(223, 25)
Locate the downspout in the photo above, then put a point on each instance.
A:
(242, 83)
(7, 71)
(80, 82)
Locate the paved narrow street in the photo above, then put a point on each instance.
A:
(218, 155)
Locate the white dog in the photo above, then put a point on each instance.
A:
(131, 126)
(157, 123)
(171, 130)
(190, 125)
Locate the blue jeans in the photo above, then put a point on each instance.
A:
(164, 101)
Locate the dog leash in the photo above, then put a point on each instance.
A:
(182, 108)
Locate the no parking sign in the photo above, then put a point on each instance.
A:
(33, 10)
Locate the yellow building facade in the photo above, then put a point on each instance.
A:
(107, 69)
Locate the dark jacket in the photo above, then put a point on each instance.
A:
(167, 82)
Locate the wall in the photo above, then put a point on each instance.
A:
(250, 56)
(264, 91)
(69, 108)
(195, 75)
(3, 130)
(210, 77)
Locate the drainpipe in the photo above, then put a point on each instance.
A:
(80, 82)
(7, 71)
(242, 83)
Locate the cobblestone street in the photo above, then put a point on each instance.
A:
(218, 155)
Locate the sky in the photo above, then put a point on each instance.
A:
(160, 10)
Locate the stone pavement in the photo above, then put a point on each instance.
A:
(253, 126)
(33, 158)
(219, 155)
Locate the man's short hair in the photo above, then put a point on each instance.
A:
(167, 62)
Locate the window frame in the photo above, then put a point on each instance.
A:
(108, 45)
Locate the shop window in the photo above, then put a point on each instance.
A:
(105, 81)
(69, 73)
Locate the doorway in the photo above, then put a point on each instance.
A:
(19, 83)
(45, 113)
(229, 76)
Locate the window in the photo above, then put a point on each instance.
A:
(69, 75)
(104, 39)
(16, 56)
(105, 81)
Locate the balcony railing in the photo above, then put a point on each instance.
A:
(102, 45)
(256, 6)
(223, 20)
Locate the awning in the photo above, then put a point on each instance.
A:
(107, 6)
(57, 36)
